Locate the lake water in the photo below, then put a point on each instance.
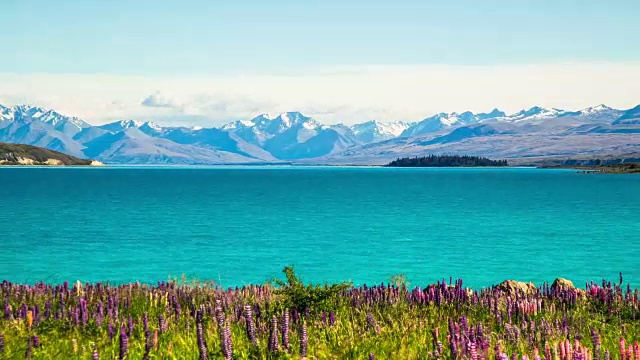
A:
(238, 225)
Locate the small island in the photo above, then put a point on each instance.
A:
(19, 154)
(446, 161)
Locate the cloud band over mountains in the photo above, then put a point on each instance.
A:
(349, 94)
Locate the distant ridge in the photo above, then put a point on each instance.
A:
(292, 137)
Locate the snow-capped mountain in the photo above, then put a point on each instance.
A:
(535, 112)
(264, 127)
(292, 136)
(6, 114)
(446, 120)
(122, 125)
(372, 131)
(25, 113)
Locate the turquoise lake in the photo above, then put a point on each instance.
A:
(240, 225)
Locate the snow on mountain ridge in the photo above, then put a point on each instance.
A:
(535, 112)
(374, 130)
(122, 125)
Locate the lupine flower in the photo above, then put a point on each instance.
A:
(304, 340)
(473, 351)
(124, 343)
(371, 323)
(145, 322)
(131, 326)
(251, 327)
(285, 331)
(202, 344)
(155, 339)
(95, 355)
(228, 342)
(148, 345)
(273, 335)
(161, 324)
(372, 357)
(1, 343)
(112, 331)
(29, 318)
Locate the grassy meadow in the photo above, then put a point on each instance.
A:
(291, 320)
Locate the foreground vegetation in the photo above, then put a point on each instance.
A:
(446, 161)
(291, 320)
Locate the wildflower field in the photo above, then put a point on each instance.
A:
(291, 320)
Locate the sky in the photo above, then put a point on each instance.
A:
(206, 62)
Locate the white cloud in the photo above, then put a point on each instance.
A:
(345, 94)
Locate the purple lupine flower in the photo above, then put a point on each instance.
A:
(7, 311)
(76, 316)
(595, 339)
(176, 309)
(202, 344)
(473, 350)
(371, 323)
(285, 331)
(95, 355)
(228, 342)
(23, 311)
(454, 348)
(1, 343)
(112, 331)
(251, 326)
(124, 343)
(304, 340)
(162, 326)
(36, 341)
(145, 322)
(131, 326)
(332, 318)
(148, 345)
(372, 357)
(273, 335)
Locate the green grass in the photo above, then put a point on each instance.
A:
(402, 329)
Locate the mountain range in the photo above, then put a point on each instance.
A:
(294, 137)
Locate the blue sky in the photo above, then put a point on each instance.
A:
(204, 36)
(222, 46)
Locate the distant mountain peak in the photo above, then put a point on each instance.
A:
(130, 123)
(595, 109)
(287, 118)
(495, 113)
(535, 112)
